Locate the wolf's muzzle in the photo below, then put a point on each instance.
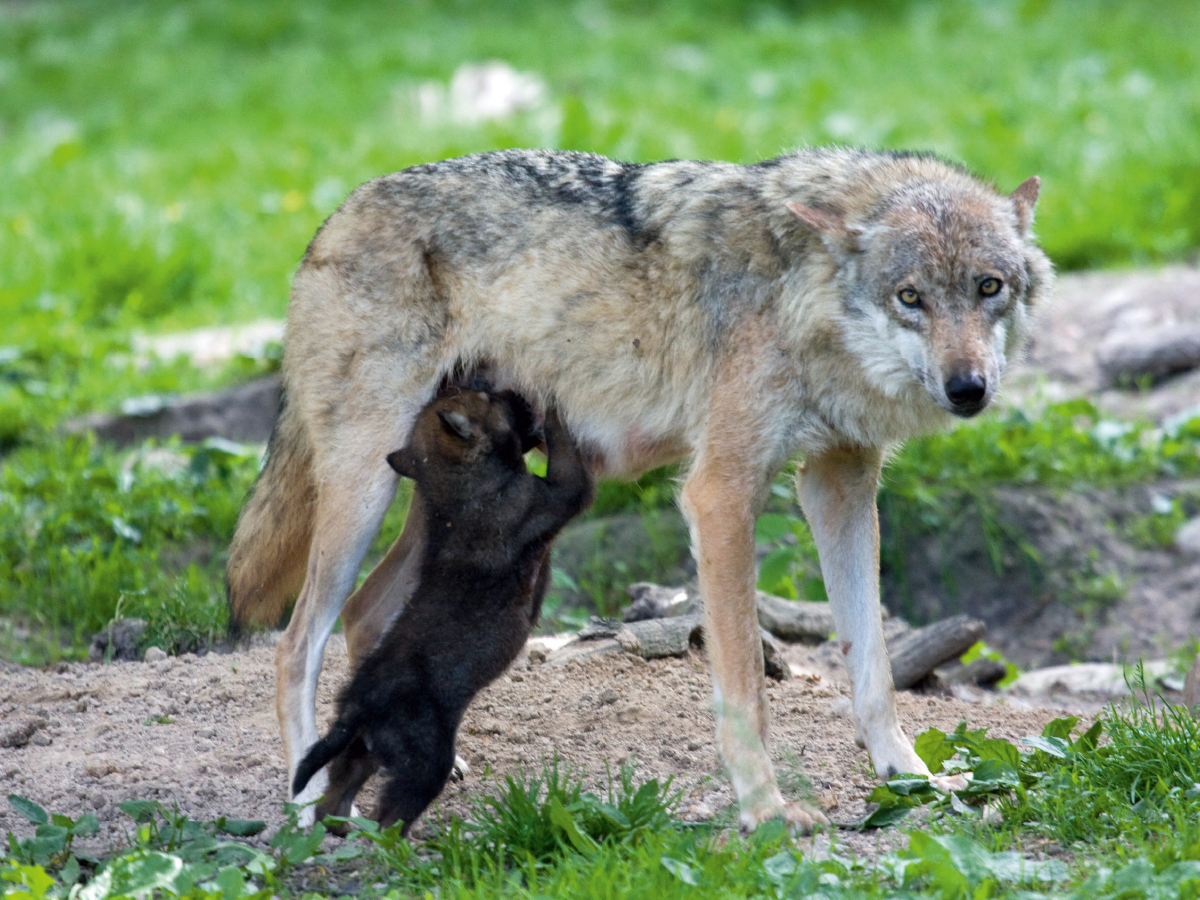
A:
(966, 393)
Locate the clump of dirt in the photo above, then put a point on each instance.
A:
(201, 733)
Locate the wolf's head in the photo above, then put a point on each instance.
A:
(939, 278)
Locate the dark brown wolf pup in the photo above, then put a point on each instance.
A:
(489, 524)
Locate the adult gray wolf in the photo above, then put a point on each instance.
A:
(828, 303)
(482, 577)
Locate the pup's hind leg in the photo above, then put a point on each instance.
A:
(348, 772)
(371, 609)
(387, 588)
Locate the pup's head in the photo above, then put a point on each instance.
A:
(465, 427)
(940, 276)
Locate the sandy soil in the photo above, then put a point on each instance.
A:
(97, 742)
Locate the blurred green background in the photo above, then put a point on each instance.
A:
(162, 166)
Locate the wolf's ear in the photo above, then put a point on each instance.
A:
(837, 235)
(1024, 199)
(403, 462)
(457, 424)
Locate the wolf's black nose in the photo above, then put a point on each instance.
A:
(966, 391)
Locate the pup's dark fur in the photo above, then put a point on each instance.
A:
(483, 576)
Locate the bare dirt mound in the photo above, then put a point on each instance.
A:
(200, 732)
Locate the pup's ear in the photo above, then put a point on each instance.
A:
(457, 424)
(403, 462)
(1024, 199)
(837, 235)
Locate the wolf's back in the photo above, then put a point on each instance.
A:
(269, 552)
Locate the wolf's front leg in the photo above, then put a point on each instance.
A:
(720, 509)
(837, 492)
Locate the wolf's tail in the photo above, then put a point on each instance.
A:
(323, 751)
(269, 553)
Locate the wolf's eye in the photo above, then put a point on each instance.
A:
(989, 287)
(909, 297)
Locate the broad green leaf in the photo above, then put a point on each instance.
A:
(1056, 747)
(1061, 728)
(240, 827)
(772, 527)
(142, 811)
(1089, 740)
(775, 568)
(28, 809)
(681, 870)
(231, 882)
(781, 866)
(561, 818)
(887, 815)
(814, 590)
(933, 749)
(994, 748)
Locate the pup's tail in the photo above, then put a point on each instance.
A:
(269, 552)
(323, 751)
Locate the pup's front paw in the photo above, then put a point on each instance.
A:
(460, 770)
(800, 817)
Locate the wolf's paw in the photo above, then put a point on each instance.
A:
(800, 817)
(460, 770)
(948, 783)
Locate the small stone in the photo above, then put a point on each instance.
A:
(12, 772)
(206, 732)
(82, 704)
(21, 734)
(628, 715)
(155, 654)
(117, 641)
(1129, 354)
(1187, 538)
(98, 768)
(609, 696)
(537, 655)
(98, 802)
(41, 739)
(828, 800)
(694, 745)
(699, 811)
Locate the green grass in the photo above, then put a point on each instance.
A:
(1115, 807)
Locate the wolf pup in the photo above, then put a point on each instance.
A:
(828, 303)
(483, 575)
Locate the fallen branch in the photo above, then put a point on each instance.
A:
(917, 653)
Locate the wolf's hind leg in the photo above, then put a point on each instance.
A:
(351, 501)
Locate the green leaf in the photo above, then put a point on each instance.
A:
(781, 866)
(887, 815)
(1056, 747)
(994, 748)
(240, 827)
(775, 568)
(28, 809)
(142, 811)
(933, 749)
(1061, 728)
(560, 818)
(681, 870)
(814, 590)
(772, 527)
(231, 882)
(85, 825)
(1089, 740)
(992, 776)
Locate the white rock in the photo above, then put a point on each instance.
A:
(1187, 538)
(1086, 678)
(155, 654)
